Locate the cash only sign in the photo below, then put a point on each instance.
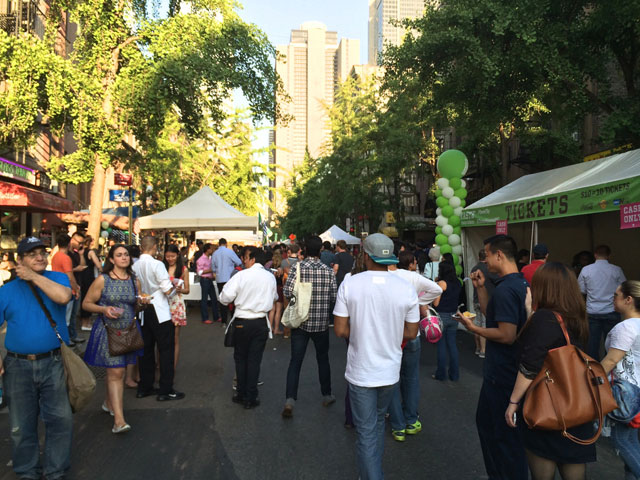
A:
(608, 197)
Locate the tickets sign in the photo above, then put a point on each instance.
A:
(630, 216)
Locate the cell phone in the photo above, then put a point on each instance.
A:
(514, 417)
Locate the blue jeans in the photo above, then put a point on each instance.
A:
(299, 342)
(32, 388)
(625, 441)
(599, 326)
(403, 410)
(368, 406)
(447, 347)
(208, 292)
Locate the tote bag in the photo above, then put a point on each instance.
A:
(297, 312)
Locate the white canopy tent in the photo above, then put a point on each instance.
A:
(231, 236)
(335, 233)
(570, 209)
(204, 210)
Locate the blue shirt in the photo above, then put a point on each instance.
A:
(223, 262)
(28, 330)
(506, 305)
(327, 258)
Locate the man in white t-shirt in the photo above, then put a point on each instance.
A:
(376, 311)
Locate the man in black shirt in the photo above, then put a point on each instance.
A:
(343, 261)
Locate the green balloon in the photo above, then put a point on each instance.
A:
(463, 203)
(452, 163)
(447, 211)
(445, 249)
(457, 230)
(441, 239)
(454, 220)
(459, 270)
(456, 258)
(438, 193)
(461, 193)
(455, 183)
(442, 202)
(438, 230)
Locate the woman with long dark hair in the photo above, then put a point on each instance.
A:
(113, 297)
(555, 292)
(87, 276)
(446, 306)
(623, 360)
(179, 275)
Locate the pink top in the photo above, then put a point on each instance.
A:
(204, 263)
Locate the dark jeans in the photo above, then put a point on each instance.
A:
(37, 388)
(299, 341)
(208, 294)
(162, 335)
(599, 326)
(250, 338)
(502, 446)
(447, 348)
(223, 309)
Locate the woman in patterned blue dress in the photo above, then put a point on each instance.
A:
(113, 296)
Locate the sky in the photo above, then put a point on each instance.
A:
(278, 17)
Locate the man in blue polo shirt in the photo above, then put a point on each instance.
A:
(33, 375)
(223, 263)
(502, 447)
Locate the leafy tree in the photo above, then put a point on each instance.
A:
(128, 70)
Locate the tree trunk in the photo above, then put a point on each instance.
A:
(97, 197)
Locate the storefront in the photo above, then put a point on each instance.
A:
(23, 210)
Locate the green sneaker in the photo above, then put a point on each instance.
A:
(398, 435)
(414, 428)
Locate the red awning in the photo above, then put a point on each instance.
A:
(12, 195)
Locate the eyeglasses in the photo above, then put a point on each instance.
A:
(39, 253)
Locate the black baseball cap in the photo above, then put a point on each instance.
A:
(29, 243)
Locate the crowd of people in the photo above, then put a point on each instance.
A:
(373, 297)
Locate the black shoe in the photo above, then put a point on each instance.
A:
(71, 343)
(170, 396)
(237, 398)
(250, 404)
(148, 393)
(79, 340)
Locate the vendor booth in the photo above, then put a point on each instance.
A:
(570, 209)
(335, 233)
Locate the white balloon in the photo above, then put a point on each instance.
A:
(442, 221)
(463, 184)
(457, 211)
(454, 201)
(438, 211)
(447, 192)
(447, 229)
(457, 249)
(442, 183)
(454, 239)
(104, 234)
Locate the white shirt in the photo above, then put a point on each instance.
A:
(427, 290)
(625, 336)
(377, 304)
(154, 281)
(598, 282)
(253, 292)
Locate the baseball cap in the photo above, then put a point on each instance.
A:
(540, 250)
(29, 243)
(380, 248)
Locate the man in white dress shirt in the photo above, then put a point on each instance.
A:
(253, 291)
(157, 327)
(598, 282)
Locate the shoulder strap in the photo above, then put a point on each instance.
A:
(45, 310)
(564, 329)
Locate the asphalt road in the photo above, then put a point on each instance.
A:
(206, 436)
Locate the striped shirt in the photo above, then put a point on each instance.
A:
(323, 294)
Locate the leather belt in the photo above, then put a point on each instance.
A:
(33, 356)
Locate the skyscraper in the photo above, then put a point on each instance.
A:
(381, 31)
(311, 67)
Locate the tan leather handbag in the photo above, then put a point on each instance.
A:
(570, 390)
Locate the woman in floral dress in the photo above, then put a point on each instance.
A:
(113, 296)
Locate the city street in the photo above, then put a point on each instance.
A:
(206, 436)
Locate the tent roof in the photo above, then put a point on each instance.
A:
(573, 177)
(335, 233)
(204, 210)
